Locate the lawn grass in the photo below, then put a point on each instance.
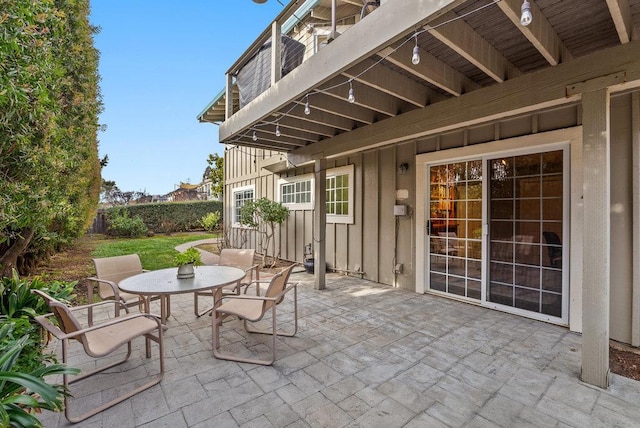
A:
(156, 252)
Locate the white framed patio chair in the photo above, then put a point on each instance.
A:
(101, 340)
(253, 308)
(109, 272)
(239, 258)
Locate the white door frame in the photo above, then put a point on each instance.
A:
(572, 269)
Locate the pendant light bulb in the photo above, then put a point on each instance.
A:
(278, 130)
(526, 17)
(254, 137)
(351, 98)
(415, 59)
(307, 110)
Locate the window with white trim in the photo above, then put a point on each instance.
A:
(340, 195)
(296, 193)
(241, 196)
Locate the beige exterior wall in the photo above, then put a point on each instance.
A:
(377, 240)
(621, 219)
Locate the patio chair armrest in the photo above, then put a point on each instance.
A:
(44, 321)
(256, 267)
(111, 321)
(114, 288)
(257, 283)
(101, 303)
(276, 297)
(250, 297)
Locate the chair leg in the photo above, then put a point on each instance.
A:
(295, 320)
(119, 399)
(217, 323)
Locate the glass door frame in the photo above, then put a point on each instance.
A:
(555, 140)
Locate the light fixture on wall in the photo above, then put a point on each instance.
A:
(278, 133)
(403, 168)
(526, 17)
(254, 137)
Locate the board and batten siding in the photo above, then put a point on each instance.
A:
(377, 240)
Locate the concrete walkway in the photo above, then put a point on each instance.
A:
(366, 355)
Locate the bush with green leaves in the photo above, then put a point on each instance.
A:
(172, 216)
(211, 221)
(19, 306)
(22, 392)
(263, 215)
(121, 224)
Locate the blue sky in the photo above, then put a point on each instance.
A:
(161, 63)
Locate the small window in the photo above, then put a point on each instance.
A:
(340, 195)
(241, 196)
(297, 192)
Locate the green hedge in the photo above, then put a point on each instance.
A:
(171, 217)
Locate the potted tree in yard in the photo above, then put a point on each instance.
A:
(186, 261)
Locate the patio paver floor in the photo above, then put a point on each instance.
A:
(365, 355)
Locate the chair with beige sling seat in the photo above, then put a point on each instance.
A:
(239, 258)
(252, 308)
(109, 272)
(101, 340)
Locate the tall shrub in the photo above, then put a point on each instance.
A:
(49, 106)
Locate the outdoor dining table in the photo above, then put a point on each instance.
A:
(164, 282)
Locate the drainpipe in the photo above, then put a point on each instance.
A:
(334, 32)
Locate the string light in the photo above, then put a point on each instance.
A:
(415, 59)
(278, 130)
(351, 98)
(526, 17)
(307, 110)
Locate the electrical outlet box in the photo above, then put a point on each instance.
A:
(399, 210)
(398, 268)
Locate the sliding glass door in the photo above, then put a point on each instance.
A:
(526, 222)
(495, 231)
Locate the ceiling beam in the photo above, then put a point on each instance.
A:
(369, 98)
(323, 13)
(532, 92)
(295, 122)
(361, 41)
(540, 32)
(430, 69)
(391, 82)
(321, 117)
(621, 14)
(270, 138)
(334, 106)
(261, 144)
(464, 40)
(290, 134)
(264, 135)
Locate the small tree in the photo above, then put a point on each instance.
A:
(263, 215)
(216, 164)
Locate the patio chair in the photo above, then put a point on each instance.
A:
(109, 272)
(250, 308)
(240, 258)
(100, 340)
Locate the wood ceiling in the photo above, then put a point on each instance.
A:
(480, 43)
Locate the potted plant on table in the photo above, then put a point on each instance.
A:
(186, 261)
